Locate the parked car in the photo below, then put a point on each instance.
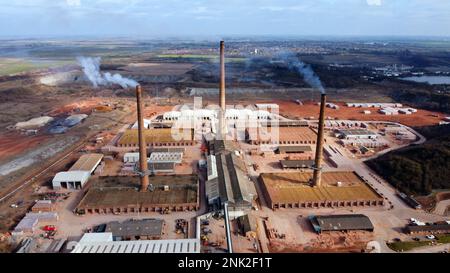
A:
(49, 228)
(430, 237)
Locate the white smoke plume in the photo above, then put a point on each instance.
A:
(91, 68)
(309, 76)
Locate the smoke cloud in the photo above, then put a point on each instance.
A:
(309, 76)
(91, 68)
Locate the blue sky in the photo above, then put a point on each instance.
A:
(161, 18)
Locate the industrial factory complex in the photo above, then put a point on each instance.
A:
(223, 179)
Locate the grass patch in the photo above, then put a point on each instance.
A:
(405, 246)
(443, 239)
(408, 245)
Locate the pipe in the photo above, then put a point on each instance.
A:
(317, 175)
(227, 228)
(143, 168)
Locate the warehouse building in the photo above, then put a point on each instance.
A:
(30, 222)
(161, 167)
(227, 182)
(87, 162)
(365, 142)
(146, 229)
(118, 194)
(338, 189)
(343, 222)
(158, 137)
(105, 244)
(165, 157)
(280, 135)
(284, 123)
(297, 164)
(131, 158)
(70, 179)
(356, 134)
(43, 206)
(295, 149)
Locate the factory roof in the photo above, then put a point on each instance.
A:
(356, 132)
(161, 166)
(342, 222)
(157, 157)
(297, 163)
(96, 237)
(284, 123)
(130, 137)
(283, 134)
(172, 150)
(294, 149)
(121, 191)
(72, 176)
(293, 187)
(145, 227)
(212, 167)
(233, 184)
(87, 162)
(140, 246)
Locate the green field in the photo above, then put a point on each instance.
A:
(11, 66)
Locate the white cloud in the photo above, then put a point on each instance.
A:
(73, 2)
(374, 2)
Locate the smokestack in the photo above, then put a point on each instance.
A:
(222, 76)
(317, 176)
(143, 168)
(222, 125)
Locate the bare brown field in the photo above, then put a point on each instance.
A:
(12, 144)
(311, 109)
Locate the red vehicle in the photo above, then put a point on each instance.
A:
(50, 228)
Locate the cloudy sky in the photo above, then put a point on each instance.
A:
(160, 18)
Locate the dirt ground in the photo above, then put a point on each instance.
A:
(311, 109)
(14, 143)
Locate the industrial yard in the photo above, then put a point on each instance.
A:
(144, 168)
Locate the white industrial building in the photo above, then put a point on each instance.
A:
(356, 134)
(212, 115)
(131, 157)
(70, 179)
(166, 157)
(365, 142)
(147, 124)
(103, 243)
(373, 105)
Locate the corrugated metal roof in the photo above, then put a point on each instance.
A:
(297, 163)
(141, 246)
(72, 176)
(293, 149)
(87, 162)
(344, 222)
